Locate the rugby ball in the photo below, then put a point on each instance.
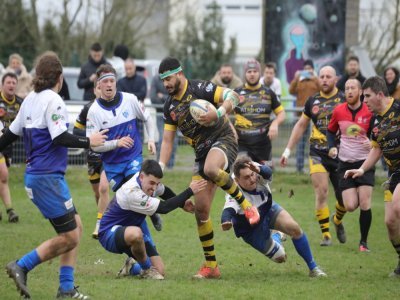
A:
(200, 107)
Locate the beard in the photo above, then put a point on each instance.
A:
(176, 88)
(226, 80)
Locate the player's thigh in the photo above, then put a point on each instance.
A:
(285, 223)
(396, 201)
(365, 196)
(3, 169)
(320, 182)
(350, 198)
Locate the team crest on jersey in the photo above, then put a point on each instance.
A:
(337, 100)
(375, 130)
(315, 109)
(209, 87)
(2, 112)
(241, 99)
(125, 114)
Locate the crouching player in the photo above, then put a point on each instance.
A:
(252, 179)
(123, 228)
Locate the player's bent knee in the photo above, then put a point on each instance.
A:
(133, 235)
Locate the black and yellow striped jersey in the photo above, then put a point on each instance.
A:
(386, 135)
(319, 109)
(177, 116)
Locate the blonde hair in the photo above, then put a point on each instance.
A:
(15, 56)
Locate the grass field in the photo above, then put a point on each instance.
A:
(245, 273)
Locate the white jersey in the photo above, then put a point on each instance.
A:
(260, 196)
(41, 118)
(130, 205)
(121, 120)
(276, 86)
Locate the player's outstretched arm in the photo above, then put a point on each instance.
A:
(7, 138)
(297, 132)
(179, 201)
(69, 140)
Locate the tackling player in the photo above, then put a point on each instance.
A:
(123, 228)
(253, 179)
(215, 148)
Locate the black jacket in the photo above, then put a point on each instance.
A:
(342, 81)
(87, 70)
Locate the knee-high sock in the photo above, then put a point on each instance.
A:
(66, 278)
(323, 220)
(396, 246)
(206, 235)
(365, 223)
(340, 212)
(225, 182)
(303, 249)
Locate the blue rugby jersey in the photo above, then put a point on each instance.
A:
(41, 118)
(120, 119)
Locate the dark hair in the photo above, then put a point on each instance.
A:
(240, 163)
(47, 72)
(376, 84)
(105, 68)
(121, 51)
(151, 167)
(226, 65)
(308, 62)
(353, 57)
(393, 85)
(270, 65)
(9, 74)
(167, 64)
(96, 47)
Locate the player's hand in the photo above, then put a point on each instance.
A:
(151, 146)
(198, 185)
(273, 132)
(98, 138)
(333, 152)
(93, 77)
(253, 166)
(354, 173)
(189, 206)
(285, 157)
(125, 142)
(226, 225)
(208, 117)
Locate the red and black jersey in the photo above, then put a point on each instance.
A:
(355, 127)
(177, 115)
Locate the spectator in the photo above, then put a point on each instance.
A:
(269, 80)
(391, 76)
(87, 77)
(352, 71)
(226, 77)
(304, 85)
(132, 83)
(158, 95)
(121, 53)
(16, 65)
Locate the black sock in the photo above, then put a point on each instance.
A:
(365, 223)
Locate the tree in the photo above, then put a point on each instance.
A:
(200, 44)
(380, 35)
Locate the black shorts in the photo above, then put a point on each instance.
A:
(259, 152)
(227, 145)
(94, 170)
(367, 179)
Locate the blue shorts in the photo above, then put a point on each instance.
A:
(109, 242)
(258, 236)
(50, 194)
(116, 173)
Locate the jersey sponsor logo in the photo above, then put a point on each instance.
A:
(56, 117)
(353, 130)
(209, 87)
(315, 109)
(390, 143)
(68, 204)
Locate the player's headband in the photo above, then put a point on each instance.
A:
(106, 75)
(170, 72)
